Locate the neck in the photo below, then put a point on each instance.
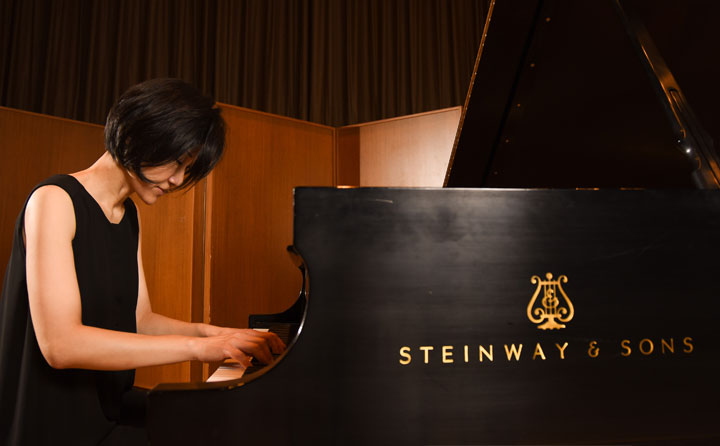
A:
(107, 182)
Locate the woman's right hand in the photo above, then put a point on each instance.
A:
(239, 344)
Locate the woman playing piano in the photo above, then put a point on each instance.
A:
(75, 317)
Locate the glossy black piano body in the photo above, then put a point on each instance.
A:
(397, 273)
(402, 283)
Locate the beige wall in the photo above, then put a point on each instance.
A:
(409, 151)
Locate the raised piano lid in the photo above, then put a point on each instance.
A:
(562, 97)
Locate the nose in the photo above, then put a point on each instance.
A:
(176, 179)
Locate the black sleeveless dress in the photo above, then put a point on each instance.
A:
(42, 405)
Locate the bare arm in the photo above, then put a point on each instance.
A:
(55, 308)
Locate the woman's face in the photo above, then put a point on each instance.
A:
(162, 179)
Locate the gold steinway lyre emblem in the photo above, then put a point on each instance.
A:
(551, 313)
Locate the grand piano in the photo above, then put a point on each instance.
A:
(559, 290)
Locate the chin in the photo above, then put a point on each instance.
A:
(148, 199)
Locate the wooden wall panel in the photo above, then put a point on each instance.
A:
(252, 210)
(409, 151)
(168, 231)
(347, 149)
(34, 147)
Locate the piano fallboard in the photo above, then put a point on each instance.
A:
(424, 318)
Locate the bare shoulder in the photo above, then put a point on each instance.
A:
(50, 208)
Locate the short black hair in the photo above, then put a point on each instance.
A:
(160, 121)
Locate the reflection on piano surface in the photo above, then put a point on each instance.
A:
(424, 314)
(286, 325)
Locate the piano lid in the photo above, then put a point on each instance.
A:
(572, 94)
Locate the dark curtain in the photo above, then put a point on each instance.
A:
(334, 62)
